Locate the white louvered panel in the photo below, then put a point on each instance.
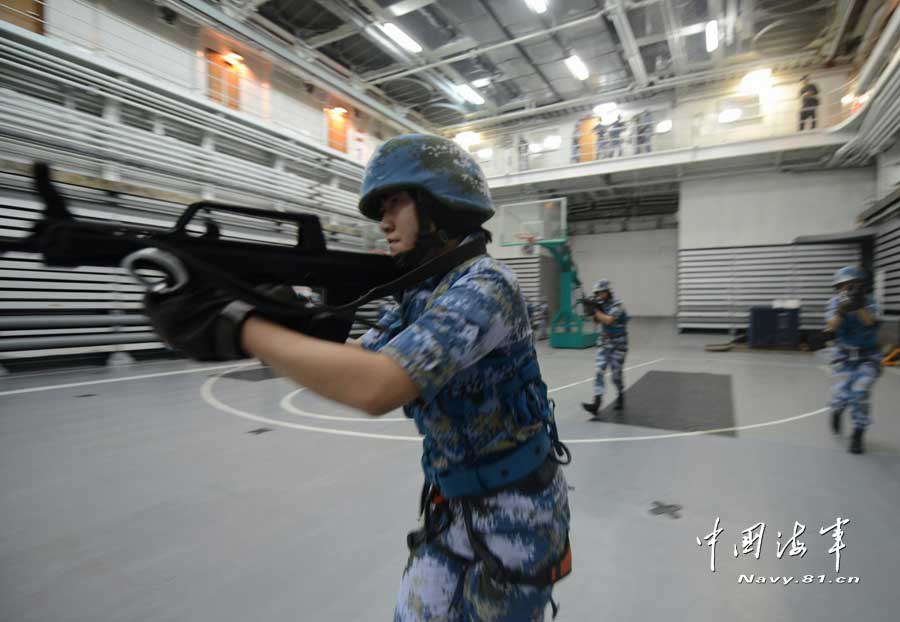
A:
(718, 287)
(887, 259)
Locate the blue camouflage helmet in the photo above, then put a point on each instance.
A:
(847, 274)
(431, 163)
(601, 285)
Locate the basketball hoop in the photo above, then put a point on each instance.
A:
(530, 243)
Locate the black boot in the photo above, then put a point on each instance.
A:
(856, 441)
(593, 407)
(836, 420)
(620, 402)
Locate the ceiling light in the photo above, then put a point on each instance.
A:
(730, 115)
(467, 139)
(233, 58)
(535, 147)
(602, 109)
(552, 142)
(756, 82)
(577, 67)
(480, 83)
(538, 6)
(400, 37)
(848, 99)
(664, 126)
(469, 94)
(339, 111)
(485, 154)
(712, 35)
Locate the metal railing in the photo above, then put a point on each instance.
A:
(702, 123)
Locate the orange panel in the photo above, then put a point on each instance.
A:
(27, 14)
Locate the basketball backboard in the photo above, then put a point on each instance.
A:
(525, 223)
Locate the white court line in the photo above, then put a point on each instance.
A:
(207, 395)
(124, 378)
(209, 398)
(289, 407)
(697, 432)
(566, 386)
(698, 359)
(286, 405)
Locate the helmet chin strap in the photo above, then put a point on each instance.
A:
(429, 242)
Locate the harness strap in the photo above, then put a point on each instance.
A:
(478, 481)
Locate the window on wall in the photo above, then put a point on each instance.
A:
(223, 78)
(337, 128)
(27, 14)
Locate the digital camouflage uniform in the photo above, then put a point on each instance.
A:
(613, 347)
(855, 362)
(466, 343)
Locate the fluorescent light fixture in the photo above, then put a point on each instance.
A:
(602, 109)
(693, 29)
(848, 99)
(664, 126)
(535, 147)
(469, 94)
(467, 139)
(538, 6)
(756, 82)
(486, 154)
(480, 83)
(404, 40)
(552, 142)
(730, 115)
(712, 35)
(577, 67)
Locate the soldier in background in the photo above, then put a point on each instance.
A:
(610, 313)
(856, 363)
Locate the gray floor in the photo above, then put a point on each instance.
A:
(137, 493)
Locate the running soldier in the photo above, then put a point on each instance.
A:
(610, 313)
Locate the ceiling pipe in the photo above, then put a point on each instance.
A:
(832, 48)
(883, 48)
(626, 36)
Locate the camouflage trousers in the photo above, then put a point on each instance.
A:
(444, 583)
(610, 354)
(854, 376)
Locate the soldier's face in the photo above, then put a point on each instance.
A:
(399, 221)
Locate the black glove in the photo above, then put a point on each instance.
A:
(205, 323)
(589, 307)
(849, 305)
(194, 320)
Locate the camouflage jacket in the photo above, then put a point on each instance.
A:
(465, 341)
(617, 332)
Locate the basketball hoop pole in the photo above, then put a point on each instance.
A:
(567, 328)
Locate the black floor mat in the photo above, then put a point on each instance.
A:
(685, 402)
(254, 375)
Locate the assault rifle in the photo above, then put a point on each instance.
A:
(346, 280)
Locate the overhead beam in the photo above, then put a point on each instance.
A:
(341, 32)
(717, 12)
(292, 58)
(672, 24)
(375, 79)
(626, 36)
(407, 6)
